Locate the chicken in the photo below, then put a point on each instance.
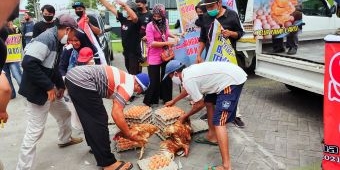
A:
(144, 131)
(179, 138)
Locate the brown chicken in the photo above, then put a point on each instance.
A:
(144, 131)
(179, 138)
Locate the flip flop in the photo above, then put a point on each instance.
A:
(122, 164)
(210, 167)
(203, 140)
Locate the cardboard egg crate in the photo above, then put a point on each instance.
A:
(138, 114)
(158, 162)
(165, 117)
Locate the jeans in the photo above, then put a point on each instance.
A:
(14, 69)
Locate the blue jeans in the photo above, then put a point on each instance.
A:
(14, 69)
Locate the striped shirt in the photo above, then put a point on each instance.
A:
(108, 81)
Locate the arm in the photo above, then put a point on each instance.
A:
(109, 7)
(196, 107)
(36, 30)
(151, 39)
(64, 60)
(177, 98)
(130, 12)
(93, 25)
(5, 97)
(118, 118)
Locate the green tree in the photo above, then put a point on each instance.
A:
(89, 3)
(31, 6)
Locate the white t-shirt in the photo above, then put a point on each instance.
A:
(211, 77)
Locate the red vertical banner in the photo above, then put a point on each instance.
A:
(331, 155)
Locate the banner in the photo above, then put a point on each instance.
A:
(220, 48)
(186, 50)
(14, 48)
(276, 17)
(86, 28)
(331, 117)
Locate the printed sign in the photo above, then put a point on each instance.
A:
(220, 48)
(14, 48)
(331, 157)
(276, 18)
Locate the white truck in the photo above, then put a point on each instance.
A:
(305, 69)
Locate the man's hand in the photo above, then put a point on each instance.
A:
(183, 118)
(170, 103)
(133, 135)
(60, 93)
(120, 3)
(198, 59)
(3, 116)
(87, 20)
(226, 33)
(51, 95)
(144, 38)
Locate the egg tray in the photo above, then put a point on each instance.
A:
(118, 149)
(198, 126)
(162, 115)
(161, 135)
(144, 165)
(165, 123)
(146, 114)
(146, 119)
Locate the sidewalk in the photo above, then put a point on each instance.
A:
(283, 131)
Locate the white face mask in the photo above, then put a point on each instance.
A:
(64, 39)
(176, 80)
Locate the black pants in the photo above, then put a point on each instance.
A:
(93, 117)
(132, 63)
(158, 89)
(292, 41)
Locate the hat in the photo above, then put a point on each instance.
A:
(68, 21)
(172, 66)
(78, 4)
(141, 1)
(132, 5)
(143, 80)
(85, 55)
(208, 2)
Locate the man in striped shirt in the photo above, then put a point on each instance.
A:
(87, 85)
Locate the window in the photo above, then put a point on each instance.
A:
(315, 8)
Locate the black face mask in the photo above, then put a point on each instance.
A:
(48, 18)
(158, 21)
(140, 8)
(200, 17)
(79, 13)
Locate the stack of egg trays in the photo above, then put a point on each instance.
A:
(144, 165)
(144, 118)
(162, 122)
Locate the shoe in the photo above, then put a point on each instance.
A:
(204, 140)
(292, 51)
(72, 142)
(204, 117)
(281, 50)
(238, 122)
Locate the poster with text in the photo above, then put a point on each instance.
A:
(276, 18)
(14, 48)
(187, 48)
(220, 48)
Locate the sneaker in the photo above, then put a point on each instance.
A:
(204, 117)
(73, 141)
(238, 122)
(292, 51)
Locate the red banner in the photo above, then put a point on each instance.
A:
(331, 156)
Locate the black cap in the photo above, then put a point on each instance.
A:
(208, 2)
(78, 4)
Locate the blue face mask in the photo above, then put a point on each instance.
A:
(213, 13)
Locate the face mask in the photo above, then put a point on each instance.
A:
(140, 8)
(48, 18)
(213, 12)
(158, 21)
(176, 80)
(79, 13)
(125, 14)
(200, 17)
(64, 39)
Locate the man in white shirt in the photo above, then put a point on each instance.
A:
(221, 78)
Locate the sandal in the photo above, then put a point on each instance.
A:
(203, 140)
(211, 167)
(122, 163)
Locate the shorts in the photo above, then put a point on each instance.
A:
(226, 105)
(210, 98)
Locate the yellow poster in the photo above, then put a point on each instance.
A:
(14, 48)
(188, 15)
(220, 48)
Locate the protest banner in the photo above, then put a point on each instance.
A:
(14, 48)
(220, 48)
(331, 117)
(276, 18)
(187, 48)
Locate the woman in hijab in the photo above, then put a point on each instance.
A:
(70, 53)
(157, 33)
